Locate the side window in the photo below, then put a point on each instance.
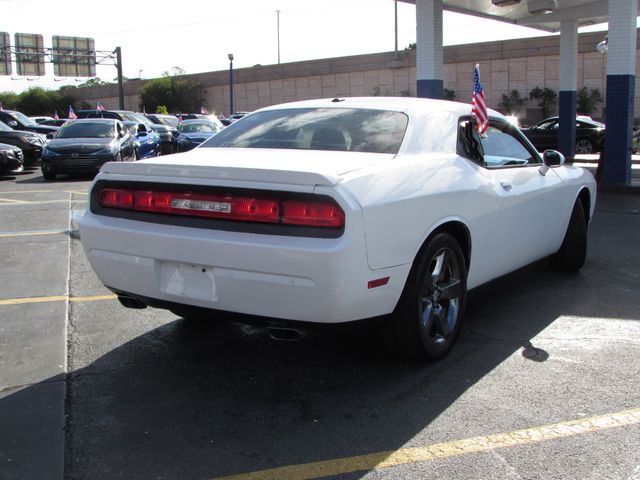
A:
(503, 148)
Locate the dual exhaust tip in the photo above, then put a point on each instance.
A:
(276, 332)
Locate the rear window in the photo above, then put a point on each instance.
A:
(338, 129)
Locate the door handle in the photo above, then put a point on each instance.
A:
(506, 185)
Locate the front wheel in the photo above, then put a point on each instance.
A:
(47, 172)
(573, 251)
(429, 314)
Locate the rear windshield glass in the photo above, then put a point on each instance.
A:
(340, 129)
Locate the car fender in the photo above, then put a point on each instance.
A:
(406, 200)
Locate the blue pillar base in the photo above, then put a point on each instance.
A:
(618, 134)
(430, 89)
(567, 130)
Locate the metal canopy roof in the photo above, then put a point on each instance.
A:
(587, 12)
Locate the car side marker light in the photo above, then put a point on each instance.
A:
(379, 282)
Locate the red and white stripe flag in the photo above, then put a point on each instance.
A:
(72, 115)
(479, 103)
(203, 111)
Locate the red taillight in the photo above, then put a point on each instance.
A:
(318, 214)
(228, 207)
(116, 198)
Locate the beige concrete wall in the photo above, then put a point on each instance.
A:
(515, 64)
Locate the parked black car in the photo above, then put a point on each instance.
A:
(83, 146)
(30, 143)
(11, 159)
(19, 121)
(168, 135)
(589, 134)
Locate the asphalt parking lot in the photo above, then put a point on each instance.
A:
(542, 384)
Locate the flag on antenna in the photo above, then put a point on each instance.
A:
(479, 102)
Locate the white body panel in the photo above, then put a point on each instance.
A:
(392, 204)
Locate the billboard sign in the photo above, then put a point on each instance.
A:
(74, 56)
(5, 54)
(29, 54)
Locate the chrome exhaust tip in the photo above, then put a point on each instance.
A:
(131, 302)
(284, 334)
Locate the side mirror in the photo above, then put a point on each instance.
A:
(12, 123)
(553, 158)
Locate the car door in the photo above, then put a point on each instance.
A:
(530, 197)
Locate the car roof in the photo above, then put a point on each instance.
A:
(409, 105)
(94, 120)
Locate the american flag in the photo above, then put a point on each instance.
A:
(55, 115)
(99, 107)
(203, 111)
(479, 102)
(72, 115)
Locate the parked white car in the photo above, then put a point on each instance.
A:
(330, 211)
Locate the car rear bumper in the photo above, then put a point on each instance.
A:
(315, 280)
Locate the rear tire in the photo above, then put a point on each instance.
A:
(427, 319)
(573, 251)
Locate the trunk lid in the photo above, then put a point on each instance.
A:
(296, 167)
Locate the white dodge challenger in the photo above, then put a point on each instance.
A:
(336, 210)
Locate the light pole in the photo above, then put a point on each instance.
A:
(230, 56)
(140, 74)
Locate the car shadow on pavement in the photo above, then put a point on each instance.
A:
(190, 400)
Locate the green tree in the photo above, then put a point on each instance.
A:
(449, 94)
(587, 100)
(9, 100)
(93, 82)
(175, 93)
(162, 110)
(546, 98)
(512, 103)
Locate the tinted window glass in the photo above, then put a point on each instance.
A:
(501, 148)
(340, 129)
(86, 130)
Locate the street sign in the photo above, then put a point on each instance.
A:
(74, 56)
(29, 54)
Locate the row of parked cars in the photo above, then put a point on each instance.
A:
(95, 137)
(150, 135)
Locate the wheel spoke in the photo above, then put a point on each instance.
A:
(441, 267)
(442, 322)
(450, 290)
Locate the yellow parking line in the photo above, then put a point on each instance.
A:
(56, 298)
(11, 201)
(437, 451)
(28, 234)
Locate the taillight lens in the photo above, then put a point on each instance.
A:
(116, 198)
(314, 213)
(318, 214)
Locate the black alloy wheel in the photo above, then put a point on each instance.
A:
(429, 314)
